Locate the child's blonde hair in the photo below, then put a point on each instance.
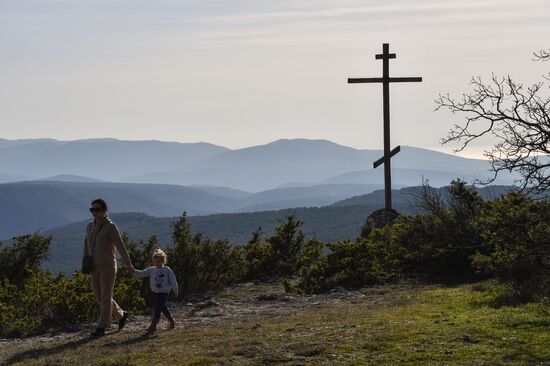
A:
(159, 253)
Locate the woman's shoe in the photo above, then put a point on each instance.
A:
(172, 324)
(99, 332)
(152, 328)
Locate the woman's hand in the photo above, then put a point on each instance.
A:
(131, 269)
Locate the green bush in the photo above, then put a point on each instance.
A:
(286, 245)
(32, 299)
(257, 258)
(279, 255)
(348, 264)
(517, 230)
(436, 244)
(22, 256)
(43, 299)
(200, 263)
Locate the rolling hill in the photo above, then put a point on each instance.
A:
(319, 162)
(338, 221)
(105, 159)
(252, 169)
(35, 205)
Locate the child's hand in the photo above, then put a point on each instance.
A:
(176, 294)
(131, 269)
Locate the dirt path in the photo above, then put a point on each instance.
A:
(234, 305)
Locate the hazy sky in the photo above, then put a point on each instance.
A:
(246, 72)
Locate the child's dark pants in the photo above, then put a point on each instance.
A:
(160, 306)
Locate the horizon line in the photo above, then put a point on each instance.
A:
(462, 154)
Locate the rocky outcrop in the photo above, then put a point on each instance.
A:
(378, 219)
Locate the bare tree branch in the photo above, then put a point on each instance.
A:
(543, 55)
(517, 116)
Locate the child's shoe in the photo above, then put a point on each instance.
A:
(122, 321)
(152, 328)
(172, 324)
(99, 332)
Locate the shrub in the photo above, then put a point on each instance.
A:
(423, 245)
(286, 244)
(437, 243)
(202, 263)
(279, 255)
(43, 299)
(517, 230)
(22, 256)
(257, 258)
(348, 264)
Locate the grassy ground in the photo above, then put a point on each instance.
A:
(406, 324)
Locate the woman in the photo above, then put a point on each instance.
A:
(102, 238)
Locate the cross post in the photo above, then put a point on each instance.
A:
(385, 80)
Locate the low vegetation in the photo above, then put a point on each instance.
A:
(381, 325)
(460, 237)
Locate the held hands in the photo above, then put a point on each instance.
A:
(131, 269)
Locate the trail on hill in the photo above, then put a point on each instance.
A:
(239, 304)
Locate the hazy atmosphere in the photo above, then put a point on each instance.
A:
(229, 182)
(246, 72)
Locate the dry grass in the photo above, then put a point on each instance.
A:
(406, 324)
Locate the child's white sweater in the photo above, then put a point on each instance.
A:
(161, 279)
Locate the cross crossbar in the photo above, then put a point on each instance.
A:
(381, 80)
(382, 160)
(382, 56)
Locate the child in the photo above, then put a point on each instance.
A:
(162, 280)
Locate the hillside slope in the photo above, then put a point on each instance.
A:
(328, 223)
(341, 220)
(260, 324)
(30, 206)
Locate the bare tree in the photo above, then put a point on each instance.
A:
(543, 55)
(429, 198)
(518, 116)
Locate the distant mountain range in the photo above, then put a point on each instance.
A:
(281, 163)
(338, 221)
(43, 204)
(51, 182)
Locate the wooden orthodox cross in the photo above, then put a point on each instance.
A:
(386, 80)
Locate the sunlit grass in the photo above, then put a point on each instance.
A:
(435, 325)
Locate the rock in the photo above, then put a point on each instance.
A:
(199, 297)
(469, 338)
(206, 304)
(307, 350)
(275, 297)
(247, 351)
(267, 297)
(338, 289)
(378, 219)
(211, 313)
